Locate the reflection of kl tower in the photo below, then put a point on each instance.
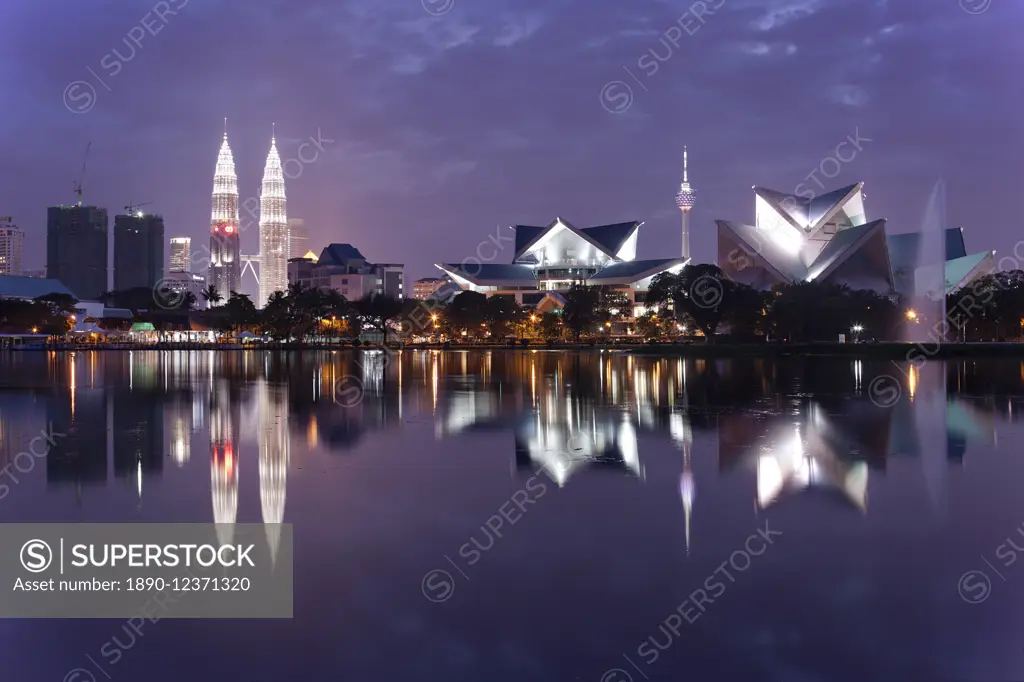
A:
(681, 432)
(272, 413)
(685, 199)
(225, 260)
(224, 464)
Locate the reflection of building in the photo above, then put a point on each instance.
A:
(549, 259)
(272, 415)
(224, 421)
(138, 433)
(225, 255)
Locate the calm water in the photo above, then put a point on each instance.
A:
(615, 487)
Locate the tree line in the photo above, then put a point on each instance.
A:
(698, 301)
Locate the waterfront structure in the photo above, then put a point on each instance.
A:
(959, 267)
(799, 239)
(181, 254)
(76, 249)
(225, 256)
(274, 238)
(298, 238)
(423, 288)
(12, 241)
(30, 288)
(344, 268)
(190, 282)
(138, 251)
(548, 260)
(685, 199)
(829, 238)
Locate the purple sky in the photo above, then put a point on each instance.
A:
(451, 117)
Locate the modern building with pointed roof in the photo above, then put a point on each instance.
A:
(829, 238)
(799, 239)
(225, 256)
(550, 259)
(274, 237)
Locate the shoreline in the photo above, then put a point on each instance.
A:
(887, 350)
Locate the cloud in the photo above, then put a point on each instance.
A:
(763, 49)
(848, 95)
(786, 12)
(517, 29)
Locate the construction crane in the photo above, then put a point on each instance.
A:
(132, 209)
(81, 175)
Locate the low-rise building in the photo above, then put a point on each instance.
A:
(423, 288)
(343, 268)
(179, 283)
(549, 260)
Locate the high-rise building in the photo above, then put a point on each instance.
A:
(138, 251)
(225, 256)
(274, 243)
(76, 249)
(685, 199)
(12, 239)
(298, 238)
(181, 254)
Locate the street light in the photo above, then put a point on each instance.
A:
(911, 314)
(856, 329)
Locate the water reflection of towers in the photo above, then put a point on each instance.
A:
(272, 411)
(224, 422)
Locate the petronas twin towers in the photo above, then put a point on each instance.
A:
(225, 255)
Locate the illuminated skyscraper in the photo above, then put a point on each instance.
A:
(298, 238)
(274, 242)
(181, 254)
(685, 199)
(12, 239)
(225, 259)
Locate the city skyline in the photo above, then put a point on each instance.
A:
(393, 154)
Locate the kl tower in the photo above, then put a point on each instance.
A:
(685, 200)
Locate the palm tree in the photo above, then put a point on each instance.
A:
(211, 295)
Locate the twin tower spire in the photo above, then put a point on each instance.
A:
(225, 259)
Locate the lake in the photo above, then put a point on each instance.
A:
(544, 515)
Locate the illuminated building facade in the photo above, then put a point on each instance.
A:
(828, 238)
(274, 237)
(225, 255)
(548, 260)
(181, 254)
(12, 240)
